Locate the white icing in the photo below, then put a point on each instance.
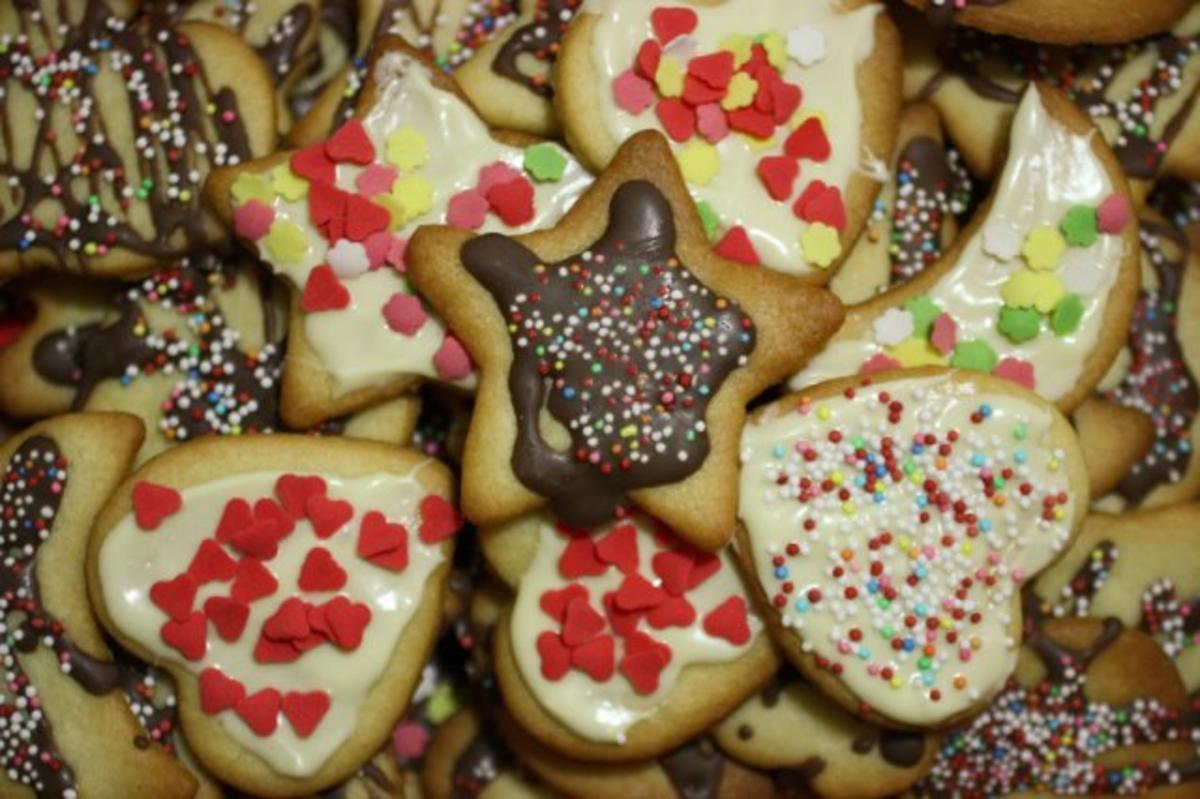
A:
(1018, 544)
(1049, 170)
(828, 84)
(131, 561)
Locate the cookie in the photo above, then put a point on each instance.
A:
(334, 220)
(888, 525)
(780, 113)
(469, 757)
(1057, 21)
(108, 181)
(915, 219)
(296, 630)
(614, 631)
(1038, 289)
(1114, 439)
(1139, 568)
(1141, 95)
(68, 730)
(669, 444)
(837, 755)
(509, 78)
(1093, 709)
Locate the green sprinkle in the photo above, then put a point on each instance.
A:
(1067, 315)
(976, 355)
(924, 312)
(1019, 432)
(545, 162)
(1019, 324)
(710, 218)
(1080, 226)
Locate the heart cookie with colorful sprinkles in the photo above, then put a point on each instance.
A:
(293, 588)
(617, 352)
(888, 525)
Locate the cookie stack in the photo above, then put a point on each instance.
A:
(591, 398)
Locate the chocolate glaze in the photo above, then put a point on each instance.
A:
(695, 769)
(282, 46)
(540, 39)
(937, 188)
(605, 380)
(941, 13)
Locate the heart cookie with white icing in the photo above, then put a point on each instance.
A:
(781, 114)
(615, 630)
(1039, 289)
(334, 220)
(889, 526)
(291, 586)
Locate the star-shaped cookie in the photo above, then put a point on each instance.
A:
(617, 351)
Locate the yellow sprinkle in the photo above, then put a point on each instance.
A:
(407, 149)
(823, 413)
(776, 48)
(414, 196)
(741, 92)
(250, 186)
(917, 352)
(804, 114)
(897, 682)
(669, 77)
(1053, 465)
(848, 508)
(629, 431)
(837, 478)
(699, 162)
(967, 548)
(288, 184)
(1044, 247)
(286, 242)
(1028, 289)
(821, 245)
(740, 45)
(758, 145)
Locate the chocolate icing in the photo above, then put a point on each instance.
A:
(632, 395)
(695, 769)
(941, 13)
(540, 39)
(280, 49)
(184, 93)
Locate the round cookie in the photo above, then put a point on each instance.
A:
(294, 591)
(1093, 709)
(334, 220)
(469, 757)
(614, 631)
(700, 336)
(1057, 21)
(915, 218)
(838, 756)
(784, 158)
(888, 525)
(108, 179)
(1141, 94)
(68, 729)
(1037, 289)
(509, 79)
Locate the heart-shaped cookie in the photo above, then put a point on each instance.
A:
(889, 526)
(294, 652)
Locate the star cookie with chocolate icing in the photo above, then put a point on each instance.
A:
(292, 587)
(617, 352)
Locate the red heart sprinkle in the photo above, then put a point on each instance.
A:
(314, 164)
(268, 651)
(728, 621)
(649, 56)
(704, 565)
(596, 658)
(581, 623)
(288, 622)
(310, 641)
(236, 516)
(326, 203)
(786, 98)
(219, 692)
(637, 593)
(305, 709)
(623, 622)
(324, 292)
(316, 620)
(697, 93)
(675, 568)
(439, 520)
(347, 620)
(383, 543)
(365, 218)
(579, 559)
(752, 122)
(556, 658)
(512, 201)
(643, 670)
(620, 548)
(259, 540)
(678, 119)
(675, 612)
(736, 246)
(778, 174)
(554, 603)
(152, 503)
(813, 190)
(269, 510)
(671, 23)
(253, 581)
(260, 711)
(320, 572)
(211, 563)
(228, 616)
(351, 143)
(716, 70)
(328, 515)
(175, 596)
(826, 207)
(294, 490)
(189, 637)
(809, 141)
(638, 642)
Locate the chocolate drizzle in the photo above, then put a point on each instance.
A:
(91, 192)
(1159, 382)
(280, 49)
(538, 39)
(622, 345)
(695, 769)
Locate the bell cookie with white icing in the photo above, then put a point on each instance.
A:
(292, 587)
(792, 727)
(587, 403)
(334, 220)
(615, 631)
(781, 114)
(1039, 289)
(1141, 94)
(123, 117)
(510, 79)
(1057, 21)
(888, 525)
(68, 727)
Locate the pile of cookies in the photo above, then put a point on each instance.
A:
(593, 398)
